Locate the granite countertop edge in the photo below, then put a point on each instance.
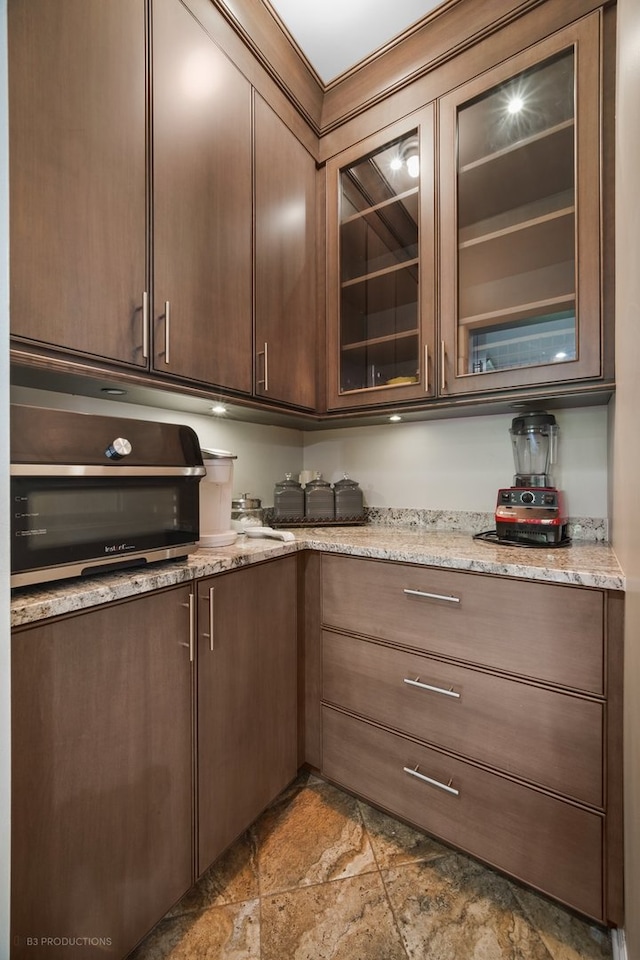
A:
(584, 564)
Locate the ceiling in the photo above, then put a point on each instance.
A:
(334, 35)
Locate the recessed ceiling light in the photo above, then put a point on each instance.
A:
(395, 418)
(219, 409)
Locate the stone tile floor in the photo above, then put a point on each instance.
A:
(322, 876)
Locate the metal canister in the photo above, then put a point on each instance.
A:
(319, 503)
(288, 500)
(348, 499)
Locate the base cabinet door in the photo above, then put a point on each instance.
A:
(101, 777)
(247, 696)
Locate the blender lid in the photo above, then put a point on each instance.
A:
(531, 421)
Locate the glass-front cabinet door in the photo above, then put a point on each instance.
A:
(520, 219)
(380, 258)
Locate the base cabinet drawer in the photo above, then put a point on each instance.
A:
(529, 731)
(547, 843)
(546, 631)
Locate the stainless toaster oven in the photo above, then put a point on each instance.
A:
(94, 493)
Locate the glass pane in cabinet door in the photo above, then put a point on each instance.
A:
(379, 204)
(516, 222)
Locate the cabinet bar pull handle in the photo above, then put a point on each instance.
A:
(145, 325)
(443, 366)
(431, 596)
(413, 772)
(427, 686)
(211, 589)
(167, 330)
(426, 368)
(192, 626)
(265, 379)
(209, 635)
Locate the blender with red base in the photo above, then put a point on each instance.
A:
(532, 510)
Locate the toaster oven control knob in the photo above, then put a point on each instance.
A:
(118, 449)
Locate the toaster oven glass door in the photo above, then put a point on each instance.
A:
(62, 520)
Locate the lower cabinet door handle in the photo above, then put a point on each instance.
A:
(430, 596)
(192, 626)
(413, 772)
(427, 686)
(211, 634)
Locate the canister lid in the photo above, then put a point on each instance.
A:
(345, 484)
(288, 483)
(245, 502)
(317, 482)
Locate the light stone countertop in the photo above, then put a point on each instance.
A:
(584, 563)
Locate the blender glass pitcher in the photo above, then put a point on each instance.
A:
(534, 442)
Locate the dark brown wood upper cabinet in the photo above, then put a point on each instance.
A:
(285, 263)
(519, 268)
(520, 219)
(166, 220)
(78, 176)
(381, 267)
(202, 206)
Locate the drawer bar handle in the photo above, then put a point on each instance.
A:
(427, 686)
(431, 596)
(413, 772)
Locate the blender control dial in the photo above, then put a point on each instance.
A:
(527, 497)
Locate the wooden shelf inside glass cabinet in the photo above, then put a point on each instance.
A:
(380, 336)
(508, 177)
(514, 261)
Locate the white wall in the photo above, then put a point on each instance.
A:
(454, 465)
(5, 672)
(460, 464)
(626, 448)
